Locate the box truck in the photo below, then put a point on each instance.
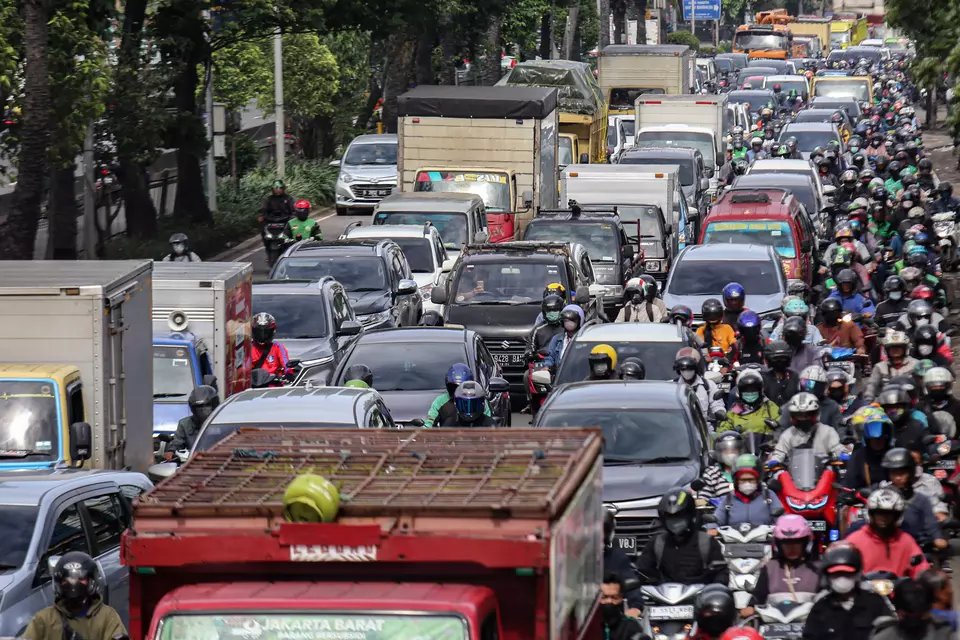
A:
(628, 71)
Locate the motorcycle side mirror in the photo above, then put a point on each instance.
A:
(719, 395)
(293, 363)
(416, 422)
(709, 518)
(774, 485)
(772, 424)
(697, 484)
(631, 584)
(161, 471)
(952, 331)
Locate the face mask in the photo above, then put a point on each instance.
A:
(636, 298)
(747, 488)
(677, 526)
(895, 295)
(612, 613)
(202, 413)
(831, 321)
(779, 365)
(921, 322)
(913, 625)
(303, 215)
(837, 393)
(750, 396)
(687, 374)
(729, 459)
(842, 584)
(570, 326)
(925, 349)
(179, 247)
(553, 316)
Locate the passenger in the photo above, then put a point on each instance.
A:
(714, 612)
(913, 601)
(883, 545)
(470, 399)
(633, 369)
(572, 319)
(688, 365)
(641, 303)
(718, 477)
(617, 625)
(751, 410)
(750, 502)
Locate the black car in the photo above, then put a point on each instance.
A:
(602, 234)
(655, 438)
(409, 366)
(373, 272)
(694, 174)
(496, 290)
(314, 322)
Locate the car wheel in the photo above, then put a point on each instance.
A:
(342, 211)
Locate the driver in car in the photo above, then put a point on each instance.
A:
(471, 285)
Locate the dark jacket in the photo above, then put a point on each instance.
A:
(276, 208)
(830, 621)
(864, 469)
(445, 419)
(628, 629)
(102, 622)
(910, 434)
(889, 311)
(682, 562)
(185, 437)
(750, 354)
(780, 391)
(541, 335)
(887, 628)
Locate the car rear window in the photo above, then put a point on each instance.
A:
(703, 278)
(657, 357)
(771, 233)
(403, 366)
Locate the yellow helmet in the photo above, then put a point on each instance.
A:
(557, 288)
(604, 350)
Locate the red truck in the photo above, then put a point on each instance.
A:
(442, 534)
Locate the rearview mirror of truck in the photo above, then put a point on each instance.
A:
(585, 158)
(527, 199)
(81, 442)
(438, 295)
(481, 236)
(210, 380)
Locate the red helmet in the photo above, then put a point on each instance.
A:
(741, 633)
(922, 292)
(302, 204)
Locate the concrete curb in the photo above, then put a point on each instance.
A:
(246, 245)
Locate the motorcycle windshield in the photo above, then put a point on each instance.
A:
(753, 442)
(804, 469)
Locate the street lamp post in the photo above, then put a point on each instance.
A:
(278, 100)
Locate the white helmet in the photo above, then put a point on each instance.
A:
(886, 499)
(803, 402)
(938, 376)
(895, 338)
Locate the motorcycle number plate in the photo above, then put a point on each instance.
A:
(818, 525)
(627, 544)
(680, 612)
(744, 550)
(945, 464)
(847, 367)
(781, 630)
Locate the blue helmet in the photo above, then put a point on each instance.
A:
(457, 374)
(749, 323)
(922, 238)
(733, 292)
(470, 399)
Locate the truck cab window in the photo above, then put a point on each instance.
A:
(75, 403)
(489, 630)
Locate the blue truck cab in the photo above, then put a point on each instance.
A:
(181, 363)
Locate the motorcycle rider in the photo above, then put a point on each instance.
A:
(942, 588)
(444, 407)
(540, 336)
(839, 386)
(302, 226)
(751, 409)
(750, 502)
(633, 369)
(794, 306)
(750, 343)
(470, 399)
(898, 363)
(733, 298)
(278, 207)
(845, 611)
(603, 363)
(907, 430)
(617, 625)
(572, 319)
(806, 430)
(938, 385)
(882, 544)
(895, 305)
(180, 250)
(920, 313)
(813, 380)
(846, 292)
(945, 201)
(687, 365)
(913, 601)
(714, 332)
(779, 382)
(202, 401)
(791, 570)
(681, 552)
(718, 477)
(836, 331)
(919, 519)
(641, 303)
(267, 354)
(804, 355)
(714, 612)
(929, 345)
(78, 611)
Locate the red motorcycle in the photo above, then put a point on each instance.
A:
(805, 486)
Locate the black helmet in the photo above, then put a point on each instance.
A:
(178, 242)
(632, 369)
(778, 352)
(794, 331)
(894, 283)
(551, 307)
(899, 458)
(918, 260)
(678, 513)
(714, 610)
(264, 328)
(895, 400)
(431, 319)
(894, 169)
(849, 178)
(359, 372)
(750, 380)
(712, 310)
(570, 314)
(847, 276)
(203, 400)
(926, 335)
(841, 556)
(76, 579)
(945, 188)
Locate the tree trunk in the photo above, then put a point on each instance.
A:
(570, 31)
(62, 213)
(19, 230)
(448, 49)
(191, 202)
(546, 34)
(604, 23)
(491, 62)
(424, 62)
(397, 78)
(376, 85)
(641, 8)
(620, 21)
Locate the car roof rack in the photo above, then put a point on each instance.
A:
(517, 246)
(741, 195)
(576, 211)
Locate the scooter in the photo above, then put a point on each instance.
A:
(746, 548)
(668, 610)
(948, 238)
(273, 240)
(784, 615)
(845, 359)
(805, 487)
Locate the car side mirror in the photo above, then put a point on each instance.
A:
(527, 199)
(720, 160)
(334, 163)
(438, 295)
(497, 386)
(704, 183)
(447, 265)
(81, 442)
(210, 380)
(406, 287)
(829, 189)
(161, 471)
(627, 251)
(697, 484)
(481, 237)
(350, 328)
(584, 158)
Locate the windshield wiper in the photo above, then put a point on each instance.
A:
(664, 460)
(169, 395)
(21, 453)
(616, 460)
(303, 337)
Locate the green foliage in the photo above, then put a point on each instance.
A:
(240, 72)
(725, 46)
(684, 37)
(247, 152)
(521, 23)
(310, 77)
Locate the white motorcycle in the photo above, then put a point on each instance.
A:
(668, 610)
(784, 615)
(948, 238)
(746, 548)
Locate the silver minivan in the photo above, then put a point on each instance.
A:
(368, 172)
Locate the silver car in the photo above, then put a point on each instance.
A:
(368, 172)
(45, 514)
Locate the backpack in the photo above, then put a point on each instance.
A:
(703, 541)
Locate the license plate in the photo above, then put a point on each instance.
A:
(682, 612)
(945, 464)
(847, 367)
(744, 550)
(383, 192)
(781, 630)
(509, 359)
(818, 525)
(626, 543)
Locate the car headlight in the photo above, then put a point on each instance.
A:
(374, 318)
(613, 291)
(345, 178)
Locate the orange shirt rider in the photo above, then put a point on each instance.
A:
(714, 332)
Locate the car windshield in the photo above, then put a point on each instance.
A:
(852, 88)
(29, 421)
(657, 357)
(354, 624)
(452, 226)
(365, 154)
(685, 165)
(699, 278)
(511, 282)
(598, 238)
(626, 98)
(299, 317)
(801, 86)
(493, 188)
(758, 41)
(629, 126)
(724, 65)
(633, 435)
(355, 274)
(754, 101)
(400, 366)
(215, 432)
(16, 530)
(565, 148)
(851, 107)
(702, 142)
(807, 141)
(419, 253)
(873, 54)
(770, 233)
(173, 375)
(814, 115)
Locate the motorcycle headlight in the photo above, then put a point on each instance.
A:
(345, 178)
(944, 448)
(819, 504)
(743, 582)
(797, 505)
(882, 587)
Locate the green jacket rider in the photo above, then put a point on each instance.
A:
(302, 226)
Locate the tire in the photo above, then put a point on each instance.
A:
(342, 211)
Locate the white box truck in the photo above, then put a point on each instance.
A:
(497, 142)
(75, 383)
(201, 334)
(627, 71)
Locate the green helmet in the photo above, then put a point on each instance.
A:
(278, 184)
(356, 384)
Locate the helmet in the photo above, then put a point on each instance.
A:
(798, 289)
(895, 401)
(572, 312)
(792, 528)
(727, 447)
(76, 579)
(777, 88)
(603, 360)
(873, 423)
(841, 557)
(557, 288)
(356, 384)
(686, 365)
(682, 313)
(551, 307)
(804, 411)
(926, 338)
(843, 232)
(778, 354)
(470, 399)
(359, 372)
(911, 277)
(795, 307)
(794, 331)
(831, 309)
(678, 513)
(919, 370)
(178, 242)
(899, 458)
(712, 310)
(913, 599)
(938, 383)
(813, 379)
(919, 313)
(893, 283)
(749, 380)
(748, 324)
(264, 328)
(849, 178)
(885, 501)
(632, 369)
(302, 209)
(740, 166)
(279, 184)
(431, 318)
(742, 633)
(457, 374)
(714, 610)
(917, 259)
(944, 188)
(733, 295)
(203, 400)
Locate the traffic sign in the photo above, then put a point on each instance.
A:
(706, 10)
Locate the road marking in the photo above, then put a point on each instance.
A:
(259, 247)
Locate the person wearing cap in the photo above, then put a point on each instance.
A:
(278, 206)
(913, 602)
(750, 502)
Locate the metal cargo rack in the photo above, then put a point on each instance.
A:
(517, 246)
(523, 473)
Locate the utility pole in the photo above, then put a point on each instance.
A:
(278, 100)
(211, 136)
(89, 198)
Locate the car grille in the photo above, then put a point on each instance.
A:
(641, 528)
(508, 352)
(372, 191)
